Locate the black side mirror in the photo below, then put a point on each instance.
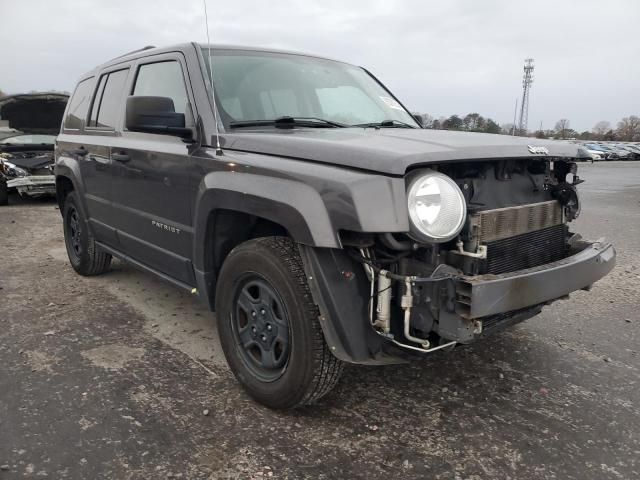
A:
(155, 115)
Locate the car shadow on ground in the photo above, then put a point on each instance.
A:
(17, 200)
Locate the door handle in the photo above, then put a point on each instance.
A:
(80, 151)
(120, 157)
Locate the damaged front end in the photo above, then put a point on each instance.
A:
(511, 254)
(27, 151)
(28, 173)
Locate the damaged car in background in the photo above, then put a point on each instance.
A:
(26, 153)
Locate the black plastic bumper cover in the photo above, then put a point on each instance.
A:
(484, 295)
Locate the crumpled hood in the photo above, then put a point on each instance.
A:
(390, 150)
(34, 112)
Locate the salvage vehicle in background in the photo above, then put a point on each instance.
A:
(306, 206)
(31, 123)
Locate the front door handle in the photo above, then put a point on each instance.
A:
(120, 157)
(80, 151)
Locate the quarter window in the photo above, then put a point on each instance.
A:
(163, 79)
(79, 105)
(108, 100)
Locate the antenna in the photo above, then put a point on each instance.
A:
(215, 107)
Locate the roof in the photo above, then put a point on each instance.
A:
(151, 50)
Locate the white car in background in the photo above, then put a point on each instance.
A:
(585, 152)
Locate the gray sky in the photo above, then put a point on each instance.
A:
(439, 57)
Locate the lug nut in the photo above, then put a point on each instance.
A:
(263, 311)
(253, 314)
(269, 327)
(264, 338)
(253, 329)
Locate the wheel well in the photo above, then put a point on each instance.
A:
(226, 229)
(63, 187)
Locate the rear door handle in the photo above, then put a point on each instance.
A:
(80, 151)
(120, 157)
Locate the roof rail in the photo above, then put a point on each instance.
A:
(148, 47)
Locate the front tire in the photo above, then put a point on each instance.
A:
(269, 328)
(85, 256)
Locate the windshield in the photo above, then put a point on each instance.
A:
(30, 140)
(253, 86)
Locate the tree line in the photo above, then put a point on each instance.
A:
(472, 122)
(626, 130)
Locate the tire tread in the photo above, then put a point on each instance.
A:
(325, 369)
(95, 261)
(329, 369)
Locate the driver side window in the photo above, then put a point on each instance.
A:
(164, 79)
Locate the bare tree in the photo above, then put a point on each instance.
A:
(427, 120)
(601, 128)
(629, 129)
(562, 127)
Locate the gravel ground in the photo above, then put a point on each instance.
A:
(122, 376)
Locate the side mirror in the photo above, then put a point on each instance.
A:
(155, 115)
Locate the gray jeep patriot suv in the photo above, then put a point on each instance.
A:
(319, 220)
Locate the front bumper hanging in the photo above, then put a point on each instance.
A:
(33, 185)
(465, 307)
(484, 295)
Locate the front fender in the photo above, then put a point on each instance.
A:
(292, 204)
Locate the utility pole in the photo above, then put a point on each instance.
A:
(527, 80)
(515, 112)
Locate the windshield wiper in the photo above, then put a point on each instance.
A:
(289, 122)
(386, 124)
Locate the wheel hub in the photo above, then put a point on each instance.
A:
(262, 328)
(75, 232)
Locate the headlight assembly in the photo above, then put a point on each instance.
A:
(17, 172)
(437, 208)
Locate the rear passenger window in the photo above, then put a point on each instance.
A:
(108, 100)
(163, 79)
(79, 105)
(96, 101)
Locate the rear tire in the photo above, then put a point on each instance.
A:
(269, 328)
(4, 192)
(85, 256)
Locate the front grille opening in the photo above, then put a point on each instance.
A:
(527, 250)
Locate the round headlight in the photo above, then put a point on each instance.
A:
(436, 207)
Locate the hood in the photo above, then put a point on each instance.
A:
(32, 162)
(390, 150)
(34, 112)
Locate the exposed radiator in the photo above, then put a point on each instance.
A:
(526, 250)
(503, 223)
